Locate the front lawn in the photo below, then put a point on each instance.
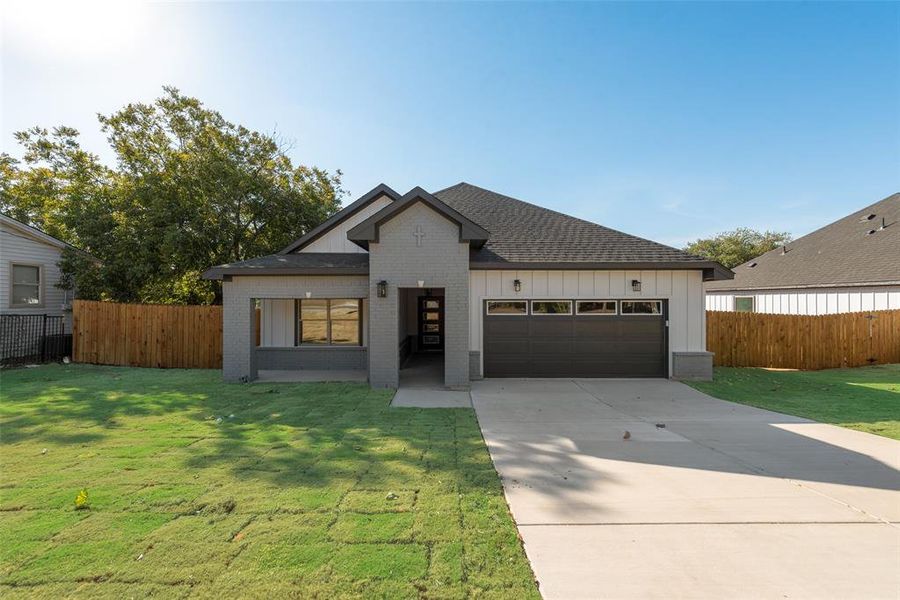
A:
(200, 488)
(866, 398)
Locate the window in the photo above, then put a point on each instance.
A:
(595, 307)
(335, 322)
(507, 307)
(26, 286)
(641, 307)
(743, 304)
(551, 307)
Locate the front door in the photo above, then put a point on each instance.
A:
(431, 323)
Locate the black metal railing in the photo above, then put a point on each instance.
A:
(33, 338)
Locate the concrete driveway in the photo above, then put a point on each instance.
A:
(718, 501)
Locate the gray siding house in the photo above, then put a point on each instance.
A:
(29, 272)
(489, 285)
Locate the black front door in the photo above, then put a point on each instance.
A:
(431, 323)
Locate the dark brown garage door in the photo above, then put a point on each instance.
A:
(559, 345)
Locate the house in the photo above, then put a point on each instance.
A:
(494, 286)
(29, 272)
(850, 265)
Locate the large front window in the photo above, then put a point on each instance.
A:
(333, 321)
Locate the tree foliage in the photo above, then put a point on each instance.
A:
(189, 190)
(733, 248)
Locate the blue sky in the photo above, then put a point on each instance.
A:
(670, 121)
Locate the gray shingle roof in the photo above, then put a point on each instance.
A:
(305, 263)
(520, 236)
(526, 233)
(841, 253)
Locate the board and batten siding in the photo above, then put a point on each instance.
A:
(16, 247)
(812, 301)
(683, 289)
(276, 322)
(336, 238)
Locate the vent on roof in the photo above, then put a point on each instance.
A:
(866, 218)
(751, 265)
(784, 250)
(883, 224)
(870, 232)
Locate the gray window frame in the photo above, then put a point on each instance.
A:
(40, 284)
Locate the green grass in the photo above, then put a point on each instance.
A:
(199, 488)
(866, 398)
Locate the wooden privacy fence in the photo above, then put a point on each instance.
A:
(147, 335)
(803, 341)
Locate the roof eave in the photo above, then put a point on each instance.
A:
(712, 271)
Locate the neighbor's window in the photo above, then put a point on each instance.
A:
(595, 307)
(26, 285)
(743, 304)
(507, 307)
(335, 322)
(551, 307)
(641, 307)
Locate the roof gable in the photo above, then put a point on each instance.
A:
(852, 251)
(339, 217)
(368, 230)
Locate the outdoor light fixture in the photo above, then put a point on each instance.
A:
(635, 285)
(309, 294)
(421, 283)
(382, 289)
(517, 285)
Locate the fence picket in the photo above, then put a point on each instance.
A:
(147, 335)
(803, 341)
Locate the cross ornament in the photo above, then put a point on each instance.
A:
(419, 234)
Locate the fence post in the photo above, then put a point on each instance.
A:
(44, 339)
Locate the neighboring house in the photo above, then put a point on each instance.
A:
(29, 272)
(497, 286)
(850, 265)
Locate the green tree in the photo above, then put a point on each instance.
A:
(189, 190)
(733, 248)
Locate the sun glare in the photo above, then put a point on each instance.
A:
(73, 30)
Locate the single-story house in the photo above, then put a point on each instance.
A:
(497, 286)
(850, 265)
(29, 272)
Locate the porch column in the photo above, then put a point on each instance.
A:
(384, 338)
(238, 336)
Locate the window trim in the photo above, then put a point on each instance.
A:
(752, 300)
(615, 304)
(40, 285)
(634, 314)
(542, 314)
(487, 308)
(298, 324)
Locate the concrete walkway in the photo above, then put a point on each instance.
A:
(706, 499)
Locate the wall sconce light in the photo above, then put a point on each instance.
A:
(421, 283)
(517, 285)
(309, 294)
(382, 289)
(635, 285)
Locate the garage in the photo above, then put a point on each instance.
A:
(575, 338)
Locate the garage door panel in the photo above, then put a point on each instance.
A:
(575, 346)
